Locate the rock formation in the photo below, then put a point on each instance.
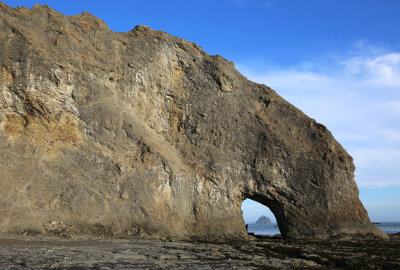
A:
(143, 134)
(263, 220)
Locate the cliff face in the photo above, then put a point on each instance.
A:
(144, 134)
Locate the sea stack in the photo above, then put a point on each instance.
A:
(263, 220)
(143, 134)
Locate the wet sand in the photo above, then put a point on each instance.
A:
(260, 253)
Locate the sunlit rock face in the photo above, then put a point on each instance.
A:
(143, 134)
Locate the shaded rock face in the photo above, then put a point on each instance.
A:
(144, 134)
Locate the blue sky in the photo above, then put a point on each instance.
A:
(338, 61)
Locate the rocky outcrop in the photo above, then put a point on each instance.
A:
(263, 220)
(144, 134)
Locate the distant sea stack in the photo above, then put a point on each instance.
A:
(143, 134)
(263, 220)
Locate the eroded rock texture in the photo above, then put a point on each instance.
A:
(144, 134)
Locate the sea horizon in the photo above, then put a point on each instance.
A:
(386, 227)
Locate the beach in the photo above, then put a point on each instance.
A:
(262, 252)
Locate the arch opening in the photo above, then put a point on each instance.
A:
(259, 219)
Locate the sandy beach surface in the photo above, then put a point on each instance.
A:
(24, 252)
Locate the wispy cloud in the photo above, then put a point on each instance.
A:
(357, 96)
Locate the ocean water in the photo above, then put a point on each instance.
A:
(389, 227)
(264, 229)
(271, 229)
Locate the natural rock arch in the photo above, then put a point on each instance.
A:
(144, 134)
(275, 209)
(252, 212)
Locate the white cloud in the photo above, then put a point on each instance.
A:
(376, 167)
(357, 97)
(383, 70)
